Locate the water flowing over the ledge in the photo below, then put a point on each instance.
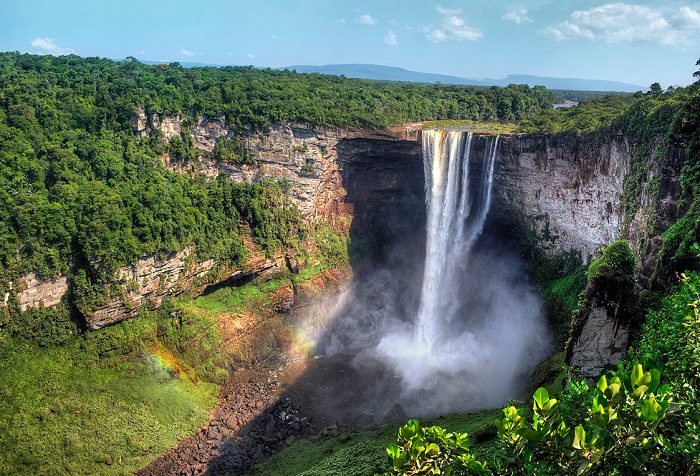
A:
(456, 217)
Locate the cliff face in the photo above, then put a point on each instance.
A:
(570, 190)
(305, 155)
(34, 291)
(320, 165)
(383, 188)
(658, 208)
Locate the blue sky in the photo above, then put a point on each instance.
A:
(638, 42)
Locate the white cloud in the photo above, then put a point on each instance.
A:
(452, 27)
(341, 21)
(187, 53)
(48, 45)
(251, 56)
(436, 35)
(391, 38)
(686, 17)
(367, 19)
(517, 16)
(273, 36)
(628, 23)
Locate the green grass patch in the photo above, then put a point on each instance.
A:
(61, 416)
(363, 453)
(228, 299)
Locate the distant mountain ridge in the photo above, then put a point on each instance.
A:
(391, 73)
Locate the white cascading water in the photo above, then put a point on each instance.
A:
(437, 343)
(475, 330)
(453, 223)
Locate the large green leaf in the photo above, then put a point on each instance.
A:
(637, 374)
(579, 438)
(541, 397)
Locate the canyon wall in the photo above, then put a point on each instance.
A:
(568, 189)
(572, 193)
(320, 164)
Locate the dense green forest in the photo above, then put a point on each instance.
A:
(561, 95)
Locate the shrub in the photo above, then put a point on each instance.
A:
(670, 338)
(666, 327)
(229, 149)
(616, 263)
(619, 434)
(44, 326)
(432, 450)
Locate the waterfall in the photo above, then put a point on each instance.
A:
(455, 219)
(463, 335)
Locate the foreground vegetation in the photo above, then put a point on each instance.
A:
(628, 423)
(338, 453)
(106, 402)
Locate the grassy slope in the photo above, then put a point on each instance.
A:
(60, 416)
(358, 453)
(126, 393)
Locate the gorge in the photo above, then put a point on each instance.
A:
(369, 365)
(200, 267)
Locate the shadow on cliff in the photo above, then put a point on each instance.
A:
(384, 180)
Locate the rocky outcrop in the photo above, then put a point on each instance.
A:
(571, 190)
(146, 282)
(601, 343)
(304, 155)
(144, 125)
(35, 291)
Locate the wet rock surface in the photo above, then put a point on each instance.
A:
(250, 423)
